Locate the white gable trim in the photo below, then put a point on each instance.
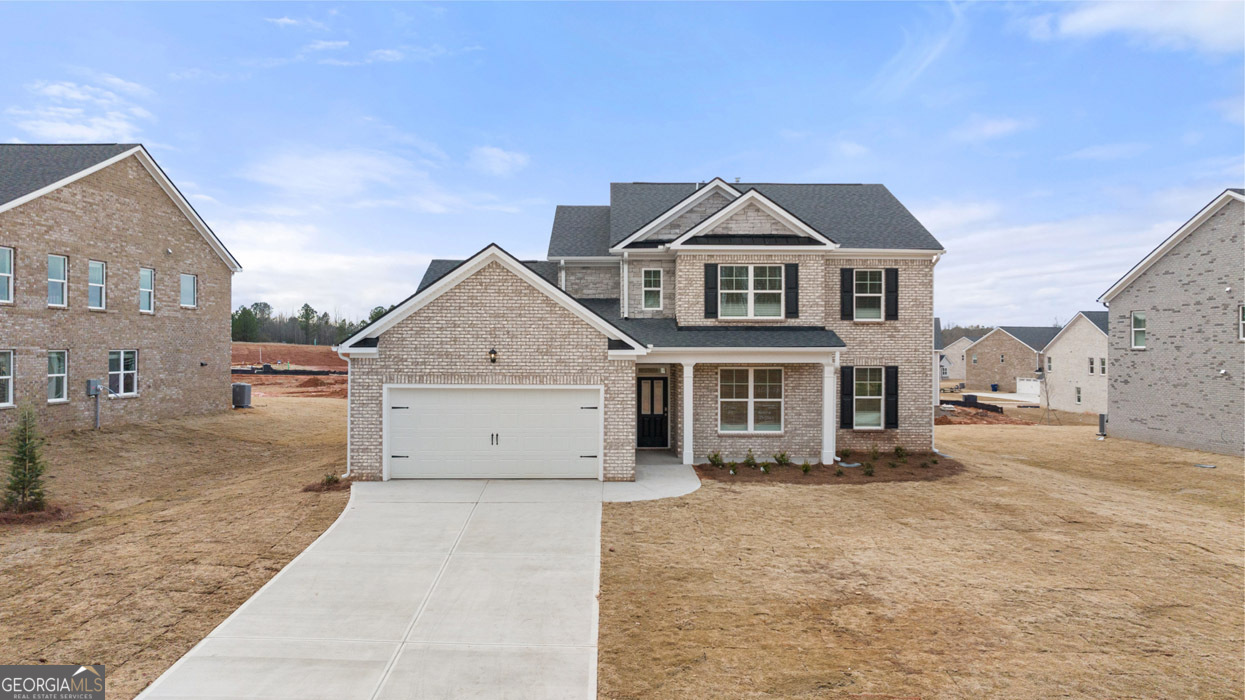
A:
(165, 183)
(717, 184)
(1068, 325)
(477, 262)
(1172, 241)
(766, 205)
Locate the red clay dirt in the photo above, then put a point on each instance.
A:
(299, 356)
(331, 386)
(976, 416)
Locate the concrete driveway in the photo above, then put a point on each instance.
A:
(422, 589)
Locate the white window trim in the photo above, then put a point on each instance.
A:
(881, 401)
(152, 290)
(1049, 364)
(7, 401)
(644, 288)
(1240, 322)
(881, 296)
(65, 384)
(196, 289)
(7, 277)
(1078, 396)
(974, 358)
(1132, 330)
(782, 403)
(103, 286)
(1102, 366)
(751, 293)
(1091, 365)
(64, 282)
(123, 372)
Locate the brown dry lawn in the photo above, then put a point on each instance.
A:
(174, 525)
(1055, 565)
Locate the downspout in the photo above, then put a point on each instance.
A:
(623, 295)
(349, 374)
(562, 274)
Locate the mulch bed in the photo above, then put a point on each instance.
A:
(50, 514)
(907, 469)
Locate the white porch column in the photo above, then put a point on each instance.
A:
(828, 413)
(689, 451)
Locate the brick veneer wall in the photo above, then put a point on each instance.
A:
(1172, 392)
(703, 210)
(752, 220)
(446, 342)
(690, 270)
(801, 435)
(1019, 360)
(1069, 357)
(592, 281)
(635, 288)
(119, 216)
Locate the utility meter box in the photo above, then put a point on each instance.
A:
(93, 387)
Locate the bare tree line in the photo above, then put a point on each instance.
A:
(258, 323)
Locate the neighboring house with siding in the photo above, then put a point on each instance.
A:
(687, 317)
(1009, 357)
(107, 273)
(956, 356)
(1076, 365)
(1177, 339)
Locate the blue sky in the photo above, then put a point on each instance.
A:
(336, 148)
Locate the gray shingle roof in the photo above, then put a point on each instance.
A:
(26, 167)
(664, 332)
(1237, 190)
(1098, 318)
(580, 231)
(1036, 337)
(439, 268)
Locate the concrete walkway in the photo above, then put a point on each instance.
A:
(428, 589)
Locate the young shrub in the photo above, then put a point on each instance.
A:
(715, 458)
(24, 492)
(924, 465)
(806, 467)
(892, 464)
(734, 467)
(765, 467)
(838, 472)
(782, 460)
(934, 461)
(873, 452)
(845, 453)
(750, 461)
(331, 479)
(868, 469)
(900, 452)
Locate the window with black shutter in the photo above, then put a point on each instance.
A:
(847, 302)
(711, 290)
(791, 279)
(892, 294)
(847, 380)
(892, 397)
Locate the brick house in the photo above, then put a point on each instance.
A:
(686, 317)
(1009, 357)
(956, 355)
(1076, 365)
(1176, 358)
(107, 273)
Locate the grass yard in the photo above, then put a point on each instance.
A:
(173, 525)
(1055, 565)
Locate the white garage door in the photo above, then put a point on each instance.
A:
(495, 433)
(1028, 386)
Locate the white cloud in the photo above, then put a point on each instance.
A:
(1213, 27)
(1107, 151)
(921, 48)
(497, 161)
(386, 55)
(943, 217)
(1232, 109)
(851, 149)
(287, 21)
(126, 86)
(326, 174)
(979, 129)
(323, 45)
(71, 111)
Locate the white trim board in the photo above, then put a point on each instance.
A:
(1079, 314)
(717, 184)
(161, 179)
(767, 205)
(1171, 242)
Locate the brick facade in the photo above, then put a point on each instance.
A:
(122, 217)
(690, 269)
(635, 288)
(445, 342)
(1187, 387)
(1017, 360)
(751, 220)
(592, 281)
(703, 210)
(802, 411)
(1068, 356)
(957, 358)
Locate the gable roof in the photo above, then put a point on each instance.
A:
(1228, 195)
(1036, 337)
(439, 268)
(970, 338)
(580, 231)
(29, 171)
(854, 216)
(364, 337)
(753, 198)
(1097, 318)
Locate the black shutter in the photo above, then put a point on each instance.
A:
(791, 279)
(711, 290)
(847, 387)
(892, 397)
(892, 293)
(847, 290)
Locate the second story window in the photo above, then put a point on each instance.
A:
(1102, 365)
(868, 295)
(652, 289)
(96, 289)
(190, 291)
(58, 280)
(6, 275)
(146, 290)
(1241, 320)
(750, 291)
(1048, 363)
(1139, 330)
(1091, 365)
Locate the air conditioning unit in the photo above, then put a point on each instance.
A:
(241, 395)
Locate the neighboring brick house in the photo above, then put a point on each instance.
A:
(1076, 365)
(687, 317)
(107, 273)
(1009, 357)
(1177, 339)
(956, 355)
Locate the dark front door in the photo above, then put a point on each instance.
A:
(653, 428)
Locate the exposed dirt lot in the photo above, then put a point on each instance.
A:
(1055, 565)
(332, 386)
(173, 526)
(299, 356)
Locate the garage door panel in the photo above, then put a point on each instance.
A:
(447, 432)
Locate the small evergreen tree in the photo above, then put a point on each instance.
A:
(24, 492)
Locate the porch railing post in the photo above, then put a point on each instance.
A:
(689, 451)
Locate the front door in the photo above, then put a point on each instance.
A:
(653, 428)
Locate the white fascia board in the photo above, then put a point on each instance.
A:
(885, 253)
(742, 355)
(1171, 242)
(492, 253)
(1066, 326)
(585, 260)
(356, 352)
(752, 197)
(716, 184)
(687, 249)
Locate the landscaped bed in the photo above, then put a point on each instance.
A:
(171, 526)
(865, 469)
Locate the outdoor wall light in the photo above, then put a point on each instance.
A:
(492, 355)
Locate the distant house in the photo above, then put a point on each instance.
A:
(1076, 365)
(1176, 364)
(1008, 356)
(956, 356)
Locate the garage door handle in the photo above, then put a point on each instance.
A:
(394, 408)
(590, 408)
(399, 456)
(587, 456)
